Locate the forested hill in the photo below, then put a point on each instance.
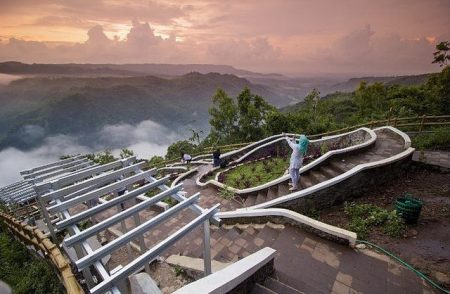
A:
(13, 67)
(353, 83)
(81, 106)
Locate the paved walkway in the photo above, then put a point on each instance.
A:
(439, 159)
(304, 261)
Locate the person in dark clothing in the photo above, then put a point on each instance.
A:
(216, 158)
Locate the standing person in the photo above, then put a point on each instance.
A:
(296, 162)
(216, 158)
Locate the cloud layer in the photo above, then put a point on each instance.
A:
(289, 37)
(146, 139)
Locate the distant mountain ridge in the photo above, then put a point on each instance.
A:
(82, 106)
(353, 83)
(80, 99)
(14, 67)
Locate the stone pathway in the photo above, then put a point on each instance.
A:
(304, 261)
(388, 143)
(438, 159)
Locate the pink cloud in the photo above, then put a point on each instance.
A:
(293, 37)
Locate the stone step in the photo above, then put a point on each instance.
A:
(268, 235)
(329, 172)
(261, 197)
(283, 189)
(195, 264)
(250, 200)
(311, 178)
(260, 289)
(272, 193)
(223, 244)
(320, 177)
(339, 165)
(279, 287)
(305, 181)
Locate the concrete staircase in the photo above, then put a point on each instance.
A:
(386, 145)
(230, 243)
(272, 286)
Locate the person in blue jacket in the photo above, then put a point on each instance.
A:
(298, 152)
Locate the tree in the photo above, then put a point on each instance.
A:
(124, 153)
(155, 160)
(252, 115)
(312, 99)
(239, 122)
(195, 138)
(175, 150)
(442, 56)
(102, 157)
(278, 123)
(224, 115)
(371, 99)
(438, 88)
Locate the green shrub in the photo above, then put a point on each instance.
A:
(323, 148)
(394, 226)
(226, 193)
(360, 227)
(365, 216)
(437, 140)
(24, 272)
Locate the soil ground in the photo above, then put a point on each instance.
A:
(426, 245)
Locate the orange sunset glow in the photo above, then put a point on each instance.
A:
(290, 37)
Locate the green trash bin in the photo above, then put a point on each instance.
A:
(409, 209)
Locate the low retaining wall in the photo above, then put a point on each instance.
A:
(349, 188)
(236, 278)
(365, 137)
(285, 216)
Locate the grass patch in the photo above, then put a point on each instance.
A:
(434, 141)
(169, 200)
(210, 176)
(226, 193)
(23, 271)
(255, 173)
(364, 217)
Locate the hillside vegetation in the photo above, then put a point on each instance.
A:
(248, 117)
(33, 108)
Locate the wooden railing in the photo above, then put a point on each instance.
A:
(29, 235)
(207, 150)
(403, 123)
(419, 123)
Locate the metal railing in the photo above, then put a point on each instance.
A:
(34, 237)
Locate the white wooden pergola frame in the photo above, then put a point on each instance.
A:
(88, 184)
(23, 191)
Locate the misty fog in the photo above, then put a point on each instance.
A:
(146, 139)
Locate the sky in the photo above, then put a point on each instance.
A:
(293, 37)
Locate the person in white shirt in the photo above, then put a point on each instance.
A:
(298, 152)
(185, 158)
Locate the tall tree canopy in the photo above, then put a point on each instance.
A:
(238, 121)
